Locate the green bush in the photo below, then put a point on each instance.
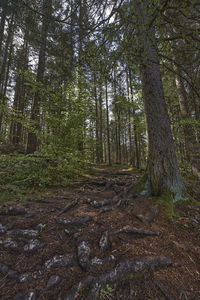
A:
(43, 169)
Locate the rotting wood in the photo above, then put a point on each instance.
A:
(68, 207)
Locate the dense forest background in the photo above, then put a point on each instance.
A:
(99, 149)
(72, 85)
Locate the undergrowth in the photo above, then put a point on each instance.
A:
(31, 172)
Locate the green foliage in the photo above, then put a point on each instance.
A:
(5, 197)
(105, 291)
(43, 169)
(43, 226)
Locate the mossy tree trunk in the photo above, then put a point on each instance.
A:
(162, 172)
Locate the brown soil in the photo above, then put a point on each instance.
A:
(179, 241)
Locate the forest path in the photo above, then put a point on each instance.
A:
(97, 240)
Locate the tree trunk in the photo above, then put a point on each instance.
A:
(191, 144)
(131, 156)
(20, 91)
(4, 64)
(4, 5)
(163, 174)
(100, 123)
(96, 118)
(32, 141)
(107, 124)
(119, 135)
(134, 127)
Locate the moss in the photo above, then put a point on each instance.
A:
(132, 276)
(142, 186)
(166, 202)
(189, 200)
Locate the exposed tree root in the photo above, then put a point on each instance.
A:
(74, 222)
(105, 210)
(101, 203)
(137, 231)
(124, 192)
(68, 207)
(167, 295)
(90, 286)
(148, 218)
(83, 255)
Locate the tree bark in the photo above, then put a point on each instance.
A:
(32, 141)
(163, 174)
(134, 127)
(96, 118)
(191, 144)
(107, 124)
(100, 123)
(4, 64)
(4, 5)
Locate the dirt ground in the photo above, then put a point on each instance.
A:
(26, 271)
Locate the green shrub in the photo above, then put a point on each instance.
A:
(43, 169)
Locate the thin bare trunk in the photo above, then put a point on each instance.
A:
(107, 125)
(32, 142)
(191, 144)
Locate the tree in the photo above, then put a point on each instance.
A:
(162, 174)
(32, 141)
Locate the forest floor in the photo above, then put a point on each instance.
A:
(95, 239)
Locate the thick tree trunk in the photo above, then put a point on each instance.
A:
(163, 174)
